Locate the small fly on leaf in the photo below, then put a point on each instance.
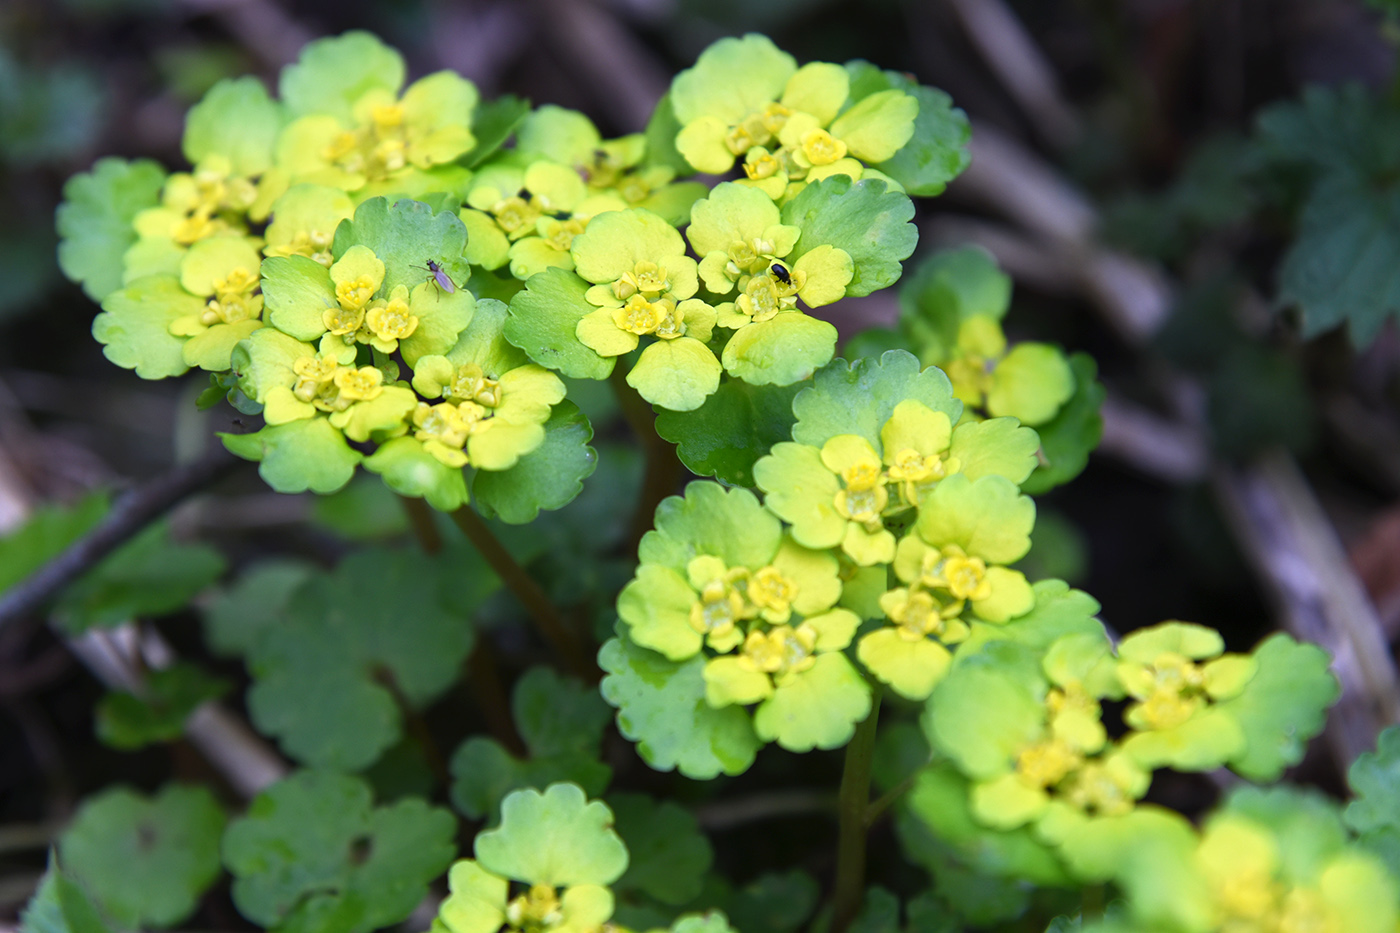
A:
(439, 275)
(780, 272)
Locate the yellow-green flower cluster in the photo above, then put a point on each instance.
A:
(746, 99)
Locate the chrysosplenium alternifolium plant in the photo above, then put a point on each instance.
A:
(409, 279)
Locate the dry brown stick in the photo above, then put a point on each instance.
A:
(1294, 549)
(128, 517)
(1021, 67)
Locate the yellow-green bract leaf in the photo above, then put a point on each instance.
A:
(731, 78)
(297, 291)
(819, 708)
(997, 446)
(864, 218)
(145, 861)
(859, 397)
(736, 426)
(668, 854)
(549, 477)
(987, 517)
(782, 351)
(557, 838)
(1030, 383)
(134, 326)
(409, 470)
(151, 575)
(1067, 439)
(544, 318)
(709, 519)
(313, 854)
(298, 456)
(981, 717)
(939, 803)
(938, 151)
(946, 289)
(1058, 611)
(237, 120)
(94, 220)
(404, 236)
(677, 374)
(661, 706)
(1282, 707)
(331, 74)
(661, 138)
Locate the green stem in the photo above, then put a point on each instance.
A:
(853, 805)
(663, 469)
(547, 617)
(883, 802)
(420, 519)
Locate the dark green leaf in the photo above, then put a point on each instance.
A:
(492, 124)
(314, 855)
(734, 428)
(47, 533)
(94, 220)
(543, 318)
(381, 628)
(864, 218)
(550, 477)
(405, 235)
(668, 854)
(145, 860)
(149, 576)
(238, 616)
(129, 721)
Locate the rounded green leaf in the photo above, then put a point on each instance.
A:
(145, 860)
(327, 676)
(661, 706)
(1030, 383)
(134, 326)
(236, 120)
(313, 853)
(860, 396)
(709, 519)
(782, 351)
(668, 854)
(736, 426)
(982, 718)
(331, 74)
(987, 517)
(995, 447)
(864, 218)
(411, 471)
(95, 220)
(543, 322)
(298, 456)
(818, 708)
(676, 374)
(405, 235)
(1067, 439)
(237, 617)
(1282, 707)
(557, 838)
(731, 78)
(549, 477)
